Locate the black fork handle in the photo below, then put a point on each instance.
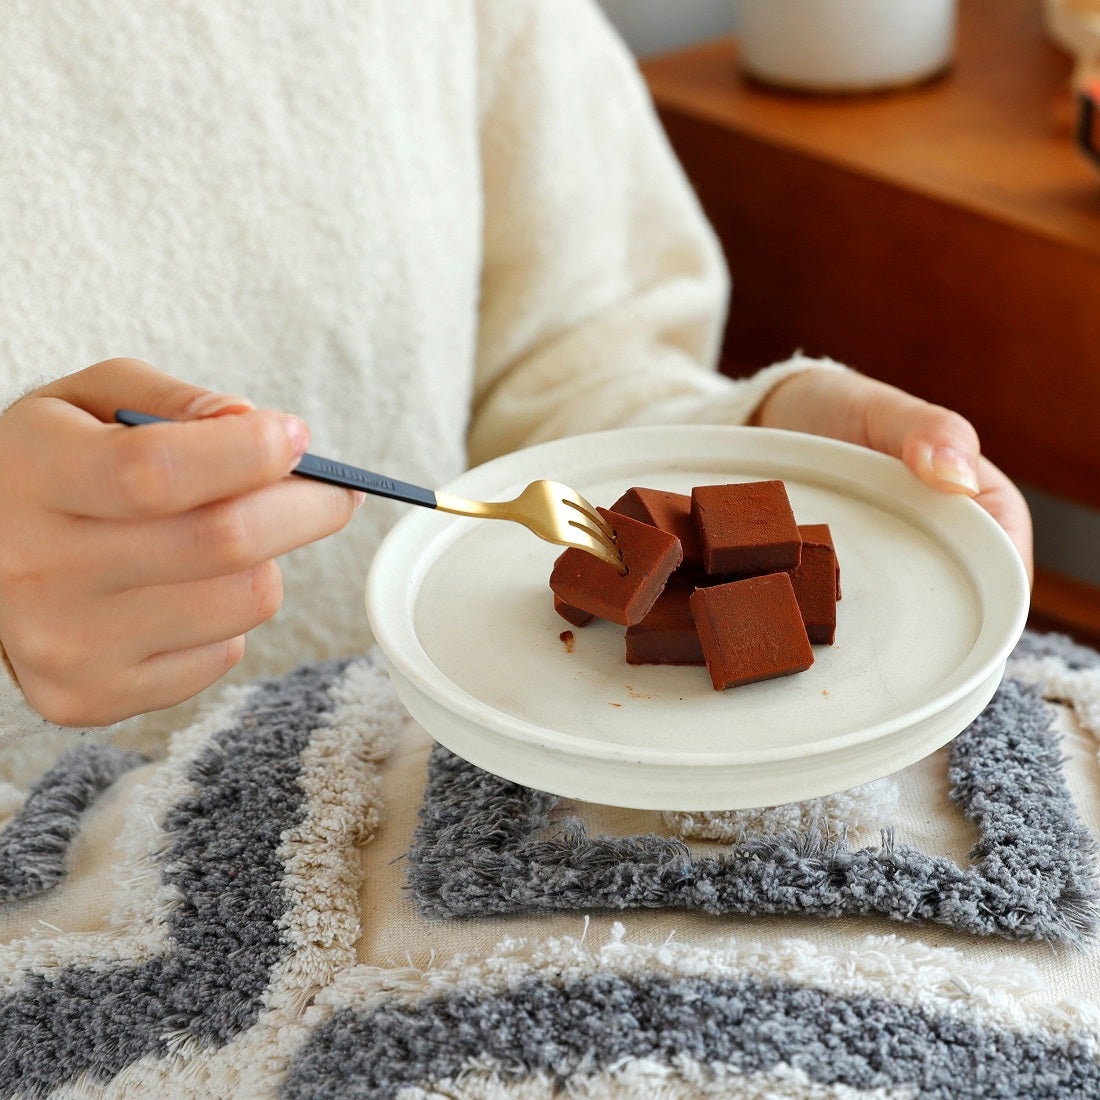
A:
(324, 469)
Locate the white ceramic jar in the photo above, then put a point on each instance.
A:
(845, 45)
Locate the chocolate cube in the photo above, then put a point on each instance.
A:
(751, 630)
(584, 581)
(669, 511)
(814, 583)
(818, 534)
(747, 527)
(667, 635)
(572, 614)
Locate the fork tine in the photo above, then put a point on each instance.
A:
(590, 513)
(597, 536)
(593, 525)
(596, 544)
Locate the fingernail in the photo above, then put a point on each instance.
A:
(956, 469)
(297, 431)
(358, 497)
(218, 404)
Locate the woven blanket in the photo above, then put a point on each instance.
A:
(306, 898)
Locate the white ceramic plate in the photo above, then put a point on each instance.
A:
(934, 598)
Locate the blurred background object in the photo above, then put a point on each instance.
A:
(1088, 125)
(654, 26)
(1075, 26)
(845, 45)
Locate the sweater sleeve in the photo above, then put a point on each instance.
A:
(604, 288)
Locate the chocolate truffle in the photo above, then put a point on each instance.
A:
(818, 534)
(584, 581)
(751, 630)
(572, 614)
(814, 583)
(746, 527)
(669, 511)
(667, 635)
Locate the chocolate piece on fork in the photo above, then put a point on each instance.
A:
(650, 556)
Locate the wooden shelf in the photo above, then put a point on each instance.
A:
(991, 137)
(1066, 605)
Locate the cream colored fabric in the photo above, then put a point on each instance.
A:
(436, 231)
(96, 907)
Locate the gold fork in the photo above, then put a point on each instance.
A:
(551, 510)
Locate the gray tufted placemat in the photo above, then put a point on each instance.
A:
(480, 850)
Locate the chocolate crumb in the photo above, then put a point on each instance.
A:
(568, 640)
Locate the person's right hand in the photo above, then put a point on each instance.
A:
(134, 561)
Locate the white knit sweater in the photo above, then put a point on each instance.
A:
(438, 231)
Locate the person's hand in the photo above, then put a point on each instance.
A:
(133, 561)
(938, 445)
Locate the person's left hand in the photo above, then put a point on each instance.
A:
(938, 445)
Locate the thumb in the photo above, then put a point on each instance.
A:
(938, 445)
(943, 451)
(133, 384)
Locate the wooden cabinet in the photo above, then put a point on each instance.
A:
(944, 237)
